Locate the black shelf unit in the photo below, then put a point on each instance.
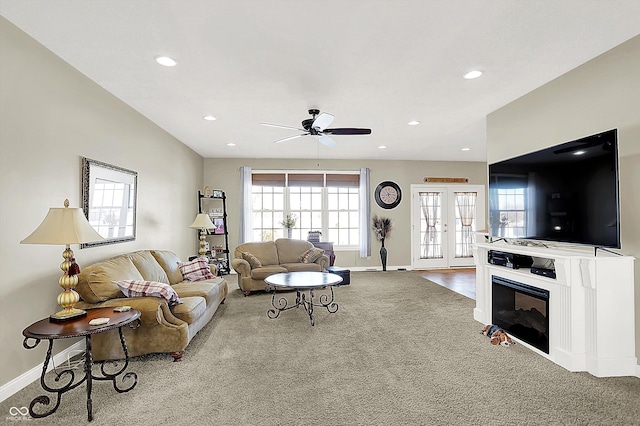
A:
(218, 241)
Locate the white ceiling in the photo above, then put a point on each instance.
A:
(371, 63)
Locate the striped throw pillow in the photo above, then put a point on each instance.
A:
(311, 255)
(140, 288)
(253, 261)
(196, 269)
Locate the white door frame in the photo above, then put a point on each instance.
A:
(448, 224)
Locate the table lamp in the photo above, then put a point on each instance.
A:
(202, 222)
(65, 226)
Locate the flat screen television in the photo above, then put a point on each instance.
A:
(566, 193)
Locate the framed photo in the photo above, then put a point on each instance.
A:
(219, 223)
(217, 193)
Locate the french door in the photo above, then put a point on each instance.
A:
(444, 220)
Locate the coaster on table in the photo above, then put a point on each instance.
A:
(99, 321)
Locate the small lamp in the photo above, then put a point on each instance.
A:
(65, 226)
(202, 222)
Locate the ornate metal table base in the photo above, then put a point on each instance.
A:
(67, 377)
(302, 300)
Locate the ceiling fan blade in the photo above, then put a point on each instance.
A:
(348, 131)
(290, 137)
(322, 121)
(325, 140)
(282, 127)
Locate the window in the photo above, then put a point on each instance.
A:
(511, 211)
(343, 209)
(268, 212)
(325, 202)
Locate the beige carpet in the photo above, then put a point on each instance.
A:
(400, 351)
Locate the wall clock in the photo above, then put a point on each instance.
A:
(388, 195)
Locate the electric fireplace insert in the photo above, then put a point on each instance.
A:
(521, 310)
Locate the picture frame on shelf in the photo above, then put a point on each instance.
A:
(219, 225)
(216, 193)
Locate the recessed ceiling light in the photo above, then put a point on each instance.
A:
(166, 61)
(466, 149)
(413, 123)
(382, 147)
(473, 74)
(231, 144)
(209, 117)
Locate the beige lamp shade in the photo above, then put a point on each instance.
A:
(202, 222)
(63, 226)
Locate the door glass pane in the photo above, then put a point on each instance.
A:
(465, 207)
(431, 225)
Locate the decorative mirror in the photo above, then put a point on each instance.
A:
(109, 201)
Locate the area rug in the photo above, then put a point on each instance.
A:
(400, 350)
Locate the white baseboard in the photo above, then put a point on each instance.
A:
(34, 374)
(376, 269)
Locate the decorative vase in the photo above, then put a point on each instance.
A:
(383, 256)
(289, 232)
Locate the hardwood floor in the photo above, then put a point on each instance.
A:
(461, 280)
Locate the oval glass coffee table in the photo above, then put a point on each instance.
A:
(301, 281)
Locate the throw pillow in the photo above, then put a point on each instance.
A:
(196, 269)
(253, 261)
(139, 288)
(311, 255)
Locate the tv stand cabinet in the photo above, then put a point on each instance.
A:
(591, 305)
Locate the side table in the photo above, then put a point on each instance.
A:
(327, 246)
(80, 327)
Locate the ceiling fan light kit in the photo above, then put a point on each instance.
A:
(317, 126)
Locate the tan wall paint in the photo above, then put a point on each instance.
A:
(50, 116)
(224, 174)
(601, 94)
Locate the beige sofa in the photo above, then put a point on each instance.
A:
(275, 257)
(163, 329)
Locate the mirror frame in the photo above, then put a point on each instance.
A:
(92, 169)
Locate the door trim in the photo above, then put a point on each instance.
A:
(449, 260)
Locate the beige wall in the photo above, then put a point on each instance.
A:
(599, 95)
(50, 116)
(224, 174)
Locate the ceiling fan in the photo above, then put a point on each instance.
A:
(317, 126)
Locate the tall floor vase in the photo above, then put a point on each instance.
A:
(383, 255)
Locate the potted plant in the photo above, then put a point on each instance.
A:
(382, 227)
(289, 222)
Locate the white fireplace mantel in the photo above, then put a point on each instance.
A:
(591, 305)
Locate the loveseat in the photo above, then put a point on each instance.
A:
(256, 261)
(163, 328)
